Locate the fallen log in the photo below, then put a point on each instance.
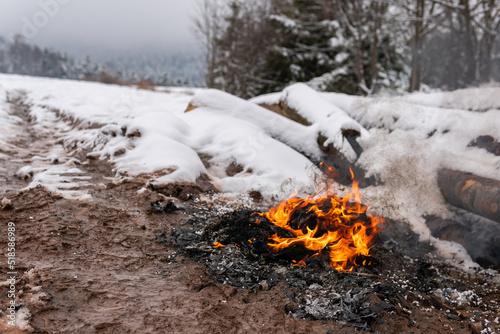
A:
(473, 193)
(284, 110)
(334, 159)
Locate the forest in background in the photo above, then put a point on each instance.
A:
(254, 47)
(167, 69)
(351, 46)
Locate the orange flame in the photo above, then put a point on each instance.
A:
(218, 245)
(339, 227)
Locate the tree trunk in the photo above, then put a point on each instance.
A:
(487, 46)
(416, 47)
(471, 192)
(374, 60)
(470, 44)
(416, 67)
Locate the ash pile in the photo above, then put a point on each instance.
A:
(401, 279)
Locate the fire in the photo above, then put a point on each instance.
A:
(218, 245)
(338, 226)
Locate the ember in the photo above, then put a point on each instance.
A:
(338, 226)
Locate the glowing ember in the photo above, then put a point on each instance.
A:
(218, 245)
(339, 226)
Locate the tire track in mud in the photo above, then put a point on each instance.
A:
(35, 154)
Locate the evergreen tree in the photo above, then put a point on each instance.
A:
(243, 49)
(304, 48)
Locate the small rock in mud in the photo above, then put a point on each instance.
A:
(6, 204)
(167, 208)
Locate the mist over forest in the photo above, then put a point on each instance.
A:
(165, 68)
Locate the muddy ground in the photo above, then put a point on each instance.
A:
(104, 267)
(110, 265)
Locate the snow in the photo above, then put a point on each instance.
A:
(477, 99)
(443, 134)
(301, 138)
(7, 123)
(405, 140)
(231, 129)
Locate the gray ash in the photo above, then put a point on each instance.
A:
(401, 277)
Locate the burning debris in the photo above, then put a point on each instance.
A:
(403, 283)
(328, 224)
(334, 262)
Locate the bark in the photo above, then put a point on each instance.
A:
(358, 48)
(284, 110)
(471, 192)
(490, 26)
(416, 67)
(416, 47)
(470, 43)
(208, 27)
(374, 61)
(487, 58)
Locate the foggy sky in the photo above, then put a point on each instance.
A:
(94, 25)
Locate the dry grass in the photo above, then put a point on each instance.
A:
(145, 84)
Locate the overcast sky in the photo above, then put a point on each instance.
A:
(100, 24)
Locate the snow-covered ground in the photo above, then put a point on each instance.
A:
(405, 139)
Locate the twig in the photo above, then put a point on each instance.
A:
(443, 305)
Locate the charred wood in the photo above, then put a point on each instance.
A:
(352, 138)
(488, 143)
(340, 164)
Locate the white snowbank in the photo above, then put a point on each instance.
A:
(300, 137)
(472, 99)
(145, 131)
(231, 129)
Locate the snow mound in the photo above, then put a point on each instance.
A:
(233, 130)
(144, 131)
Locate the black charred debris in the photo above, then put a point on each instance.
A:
(403, 275)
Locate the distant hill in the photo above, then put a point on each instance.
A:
(168, 68)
